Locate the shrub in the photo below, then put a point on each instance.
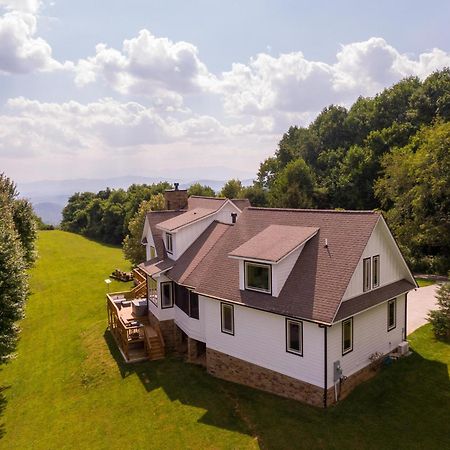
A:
(440, 318)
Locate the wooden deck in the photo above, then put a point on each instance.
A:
(128, 322)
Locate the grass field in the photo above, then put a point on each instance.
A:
(68, 389)
(422, 282)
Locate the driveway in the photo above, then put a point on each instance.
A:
(420, 302)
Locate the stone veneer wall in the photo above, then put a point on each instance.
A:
(239, 371)
(347, 386)
(167, 329)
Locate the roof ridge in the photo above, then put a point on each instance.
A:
(335, 211)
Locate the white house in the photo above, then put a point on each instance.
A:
(300, 303)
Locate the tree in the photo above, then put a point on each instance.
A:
(231, 189)
(198, 189)
(440, 318)
(133, 249)
(415, 192)
(256, 195)
(293, 187)
(13, 278)
(23, 217)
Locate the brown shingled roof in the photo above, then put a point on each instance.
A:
(154, 218)
(274, 242)
(372, 298)
(317, 283)
(190, 216)
(184, 271)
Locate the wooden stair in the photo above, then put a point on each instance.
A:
(154, 344)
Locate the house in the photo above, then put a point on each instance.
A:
(300, 303)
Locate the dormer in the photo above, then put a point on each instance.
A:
(180, 232)
(267, 259)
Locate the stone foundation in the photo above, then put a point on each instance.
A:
(239, 371)
(347, 386)
(167, 330)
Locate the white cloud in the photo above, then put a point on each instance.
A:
(20, 50)
(146, 65)
(291, 83)
(29, 6)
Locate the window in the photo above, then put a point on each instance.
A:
(193, 305)
(152, 252)
(169, 244)
(366, 275)
(227, 318)
(258, 277)
(347, 335)
(376, 271)
(294, 337)
(152, 287)
(187, 301)
(166, 295)
(392, 314)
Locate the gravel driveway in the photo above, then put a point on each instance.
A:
(420, 302)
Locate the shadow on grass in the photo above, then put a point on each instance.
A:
(405, 406)
(3, 403)
(187, 383)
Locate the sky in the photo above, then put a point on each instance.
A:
(101, 89)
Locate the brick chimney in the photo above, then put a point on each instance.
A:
(176, 198)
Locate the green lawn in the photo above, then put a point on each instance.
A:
(68, 389)
(422, 282)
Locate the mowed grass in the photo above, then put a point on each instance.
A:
(423, 282)
(68, 389)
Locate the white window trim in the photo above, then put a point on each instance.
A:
(169, 237)
(378, 272)
(369, 277)
(162, 294)
(288, 338)
(251, 288)
(394, 301)
(349, 349)
(224, 330)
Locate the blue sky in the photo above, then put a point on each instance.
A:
(100, 89)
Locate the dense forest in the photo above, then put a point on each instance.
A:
(388, 152)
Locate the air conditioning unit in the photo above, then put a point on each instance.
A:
(403, 348)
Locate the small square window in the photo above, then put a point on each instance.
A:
(376, 271)
(227, 318)
(169, 243)
(294, 337)
(392, 314)
(258, 277)
(347, 335)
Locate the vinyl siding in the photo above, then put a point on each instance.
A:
(194, 328)
(392, 267)
(370, 335)
(281, 271)
(260, 338)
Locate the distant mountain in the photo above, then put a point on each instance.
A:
(50, 196)
(50, 213)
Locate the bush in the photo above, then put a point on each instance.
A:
(440, 318)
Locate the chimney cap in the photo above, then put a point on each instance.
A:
(176, 186)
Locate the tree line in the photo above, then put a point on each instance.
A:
(387, 152)
(17, 255)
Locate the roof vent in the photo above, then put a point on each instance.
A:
(176, 186)
(233, 217)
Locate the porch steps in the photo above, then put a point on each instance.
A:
(154, 346)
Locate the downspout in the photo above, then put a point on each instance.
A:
(406, 316)
(325, 367)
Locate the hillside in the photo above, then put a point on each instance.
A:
(68, 387)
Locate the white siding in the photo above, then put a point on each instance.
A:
(370, 335)
(224, 215)
(392, 267)
(194, 328)
(260, 338)
(281, 271)
(156, 310)
(150, 243)
(186, 236)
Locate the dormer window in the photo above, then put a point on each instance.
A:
(258, 277)
(169, 243)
